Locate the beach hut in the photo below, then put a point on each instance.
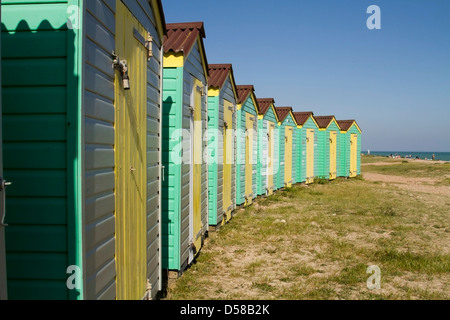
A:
(185, 122)
(328, 144)
(350, 158)
(246, 145)
(308, 151)
(267, 135)
(222, 104)
(81, 111)
(288, 145)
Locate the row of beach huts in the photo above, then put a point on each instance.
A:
(124, 147)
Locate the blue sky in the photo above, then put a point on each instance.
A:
(320, 56)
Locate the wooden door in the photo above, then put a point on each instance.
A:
(353, 155)
(249, 125)
(333, 150)
(130, 159)
(288, 156)
(196, 167)
(310, 156)
(270, 160)
(227, 159)
(3, 290)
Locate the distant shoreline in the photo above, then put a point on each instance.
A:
(408, 159)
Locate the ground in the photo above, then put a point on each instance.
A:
(317, 242)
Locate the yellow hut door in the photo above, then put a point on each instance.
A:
(333, 149)
(310, 156)
(353, 155)
(130, 159)
(288, 157)
(196, 166)
(270, 160)
(227, 158)
(250, 121)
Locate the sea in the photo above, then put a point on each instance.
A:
(444, 156)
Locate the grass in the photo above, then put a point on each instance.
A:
(406, 168)
(317, 242)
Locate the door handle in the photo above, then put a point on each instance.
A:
(3, 185)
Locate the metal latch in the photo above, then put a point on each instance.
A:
(3, 185)
(122, 67)
(147, 43)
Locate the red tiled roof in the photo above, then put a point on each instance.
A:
(323, 121)
(181, 37)
(264, 104)
(302, 117)
(345, 124)
(283, 112)
(218, 74)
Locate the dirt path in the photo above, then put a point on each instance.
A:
(412, 184)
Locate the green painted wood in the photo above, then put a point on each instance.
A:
(40, 119)
(171, 185)
(213, 150)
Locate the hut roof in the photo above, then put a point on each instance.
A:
(181, 37)
(264, 104)
(323, 121)
(302, 117)
(218, 74)
(283, 112)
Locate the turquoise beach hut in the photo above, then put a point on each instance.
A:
(246, 145)
(287, 144)
(308, 151)
(350, 157)
(222, 105)
(82, 92)
(185, 123)
(267, 145)
(329, 147)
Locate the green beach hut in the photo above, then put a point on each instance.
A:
(328, 144)
(267, 135)
(185, 123)
(307, 153)
(350, 157)
(246, 145)
(222, 104)
(288, 145)
(80, 81)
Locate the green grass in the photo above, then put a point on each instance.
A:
(316, 242)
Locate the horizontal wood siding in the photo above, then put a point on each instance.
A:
(36, 58)
(172, 223)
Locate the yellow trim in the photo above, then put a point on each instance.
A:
(334, 120)
(260, 117)
(299, 127)
(321, 129)
(213, 92)
(279, 123)
(158, 18)
(233, 85)
(357, 127)
(239, 106)
(205, 64)
(173, 60)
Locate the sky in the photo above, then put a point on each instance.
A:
(320, 56)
